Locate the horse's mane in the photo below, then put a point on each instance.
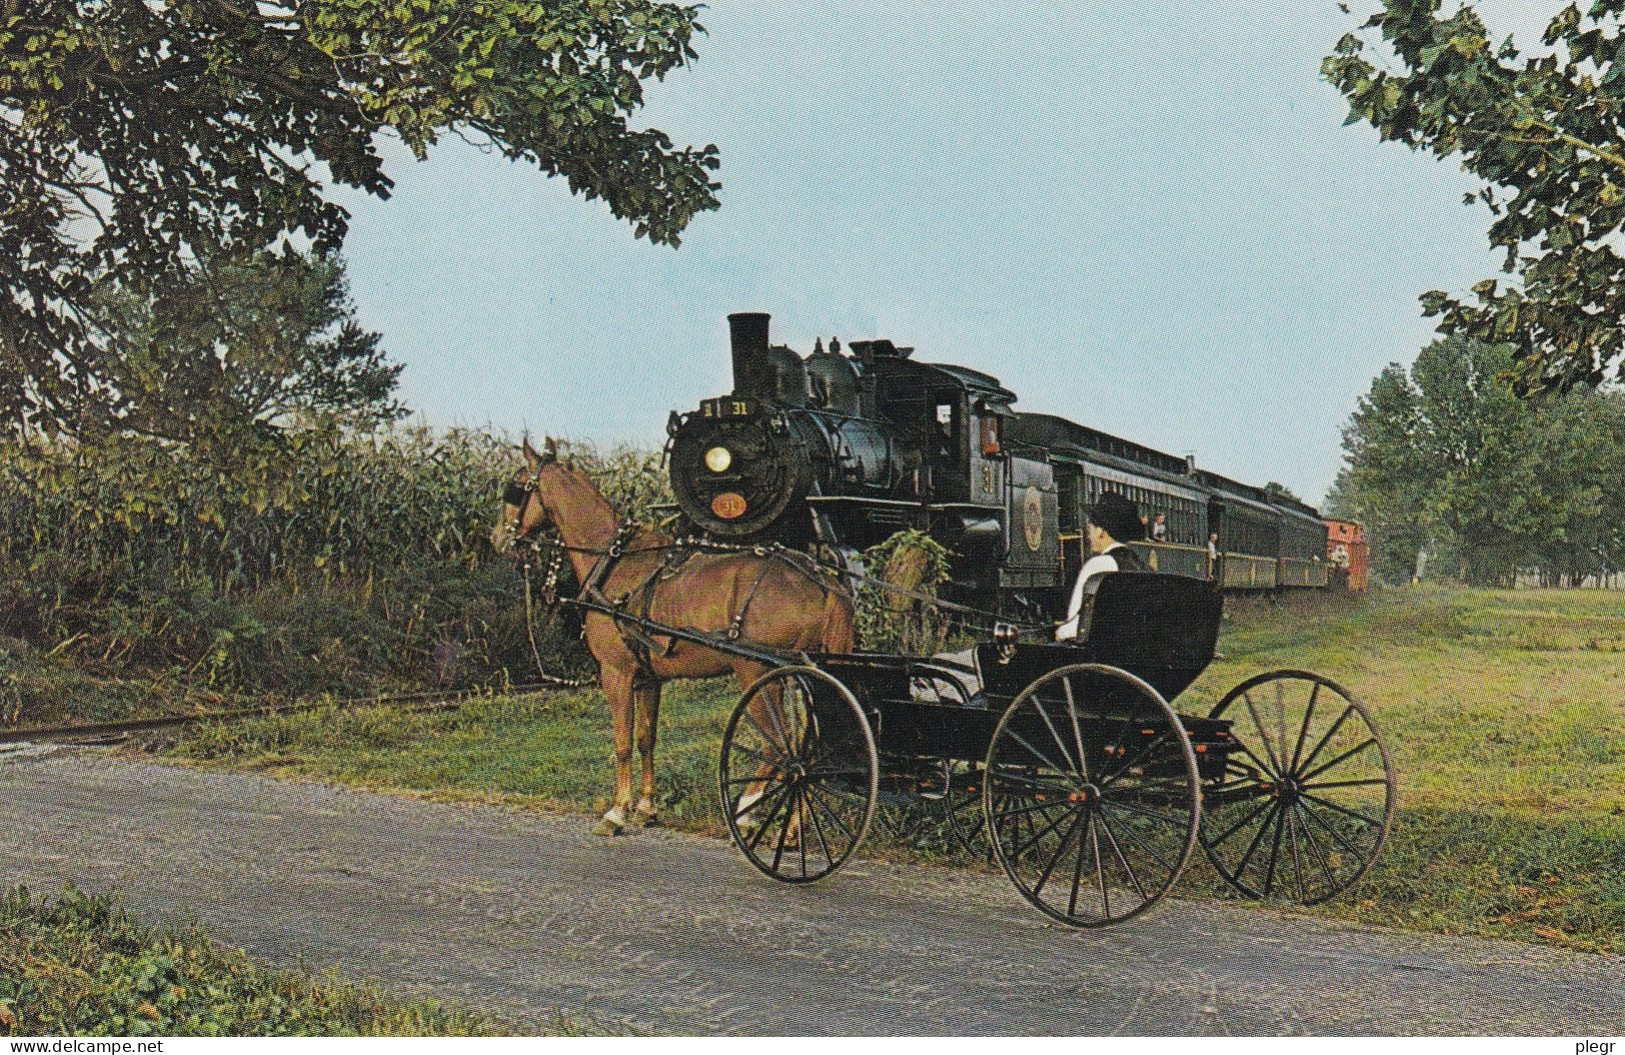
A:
(645, 535)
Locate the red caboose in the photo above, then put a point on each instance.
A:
(1347, 553)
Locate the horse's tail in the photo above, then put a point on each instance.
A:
(839, 631)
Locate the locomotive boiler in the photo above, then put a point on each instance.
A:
(845, 448)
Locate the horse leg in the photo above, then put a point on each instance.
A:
(766, 716)
(767, 713)
(617, 687)
(647, 698)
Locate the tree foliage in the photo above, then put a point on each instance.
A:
(1446, 459)
(140, 136)
(1545, 132)
(236, 347)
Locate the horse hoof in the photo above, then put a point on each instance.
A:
(608, 827)
(645, 819)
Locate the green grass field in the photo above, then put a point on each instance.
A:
(1504, 712)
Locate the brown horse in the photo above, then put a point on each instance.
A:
(769, 601)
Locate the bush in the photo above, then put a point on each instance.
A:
(892, 621)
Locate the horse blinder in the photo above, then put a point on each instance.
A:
(515, 494)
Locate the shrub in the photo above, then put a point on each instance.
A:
(890, 620)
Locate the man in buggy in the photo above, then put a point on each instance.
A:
(1113, 523)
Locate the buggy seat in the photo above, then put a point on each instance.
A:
(1161, 628)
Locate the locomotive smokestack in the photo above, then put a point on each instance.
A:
(753, 373)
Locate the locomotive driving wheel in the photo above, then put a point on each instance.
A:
(1307, 796)
(1091, 795)
(799, 776)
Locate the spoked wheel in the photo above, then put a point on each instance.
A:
(1307, 795)
(1091, 795)
(798, 775)
(962, 810)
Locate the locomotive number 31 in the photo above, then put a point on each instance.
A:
(727, 408)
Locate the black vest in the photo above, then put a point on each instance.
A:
(1127, 559)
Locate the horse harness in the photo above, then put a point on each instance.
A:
(631, 611)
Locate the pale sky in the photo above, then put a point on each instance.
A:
(1147, 218)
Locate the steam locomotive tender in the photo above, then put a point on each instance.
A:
(846, 449)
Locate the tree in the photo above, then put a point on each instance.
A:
(1545, 132)
(1341, 498)
(1447, 460)
(138, 137)
(1386, 484)
(1581, 451)
(1276, 490)
(237, 347)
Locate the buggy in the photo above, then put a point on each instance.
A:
(1068, 763)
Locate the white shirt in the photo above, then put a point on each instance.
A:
(1099, 564)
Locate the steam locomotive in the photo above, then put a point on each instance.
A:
(843, 449)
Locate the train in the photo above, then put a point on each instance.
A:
(842, 448)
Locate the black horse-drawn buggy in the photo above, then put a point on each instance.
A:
(1067, 763)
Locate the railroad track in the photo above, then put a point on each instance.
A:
(414, 702)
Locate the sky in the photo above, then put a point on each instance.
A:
(1146, 218)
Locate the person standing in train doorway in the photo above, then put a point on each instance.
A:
(1113, 523)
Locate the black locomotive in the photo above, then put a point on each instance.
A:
(844, 449)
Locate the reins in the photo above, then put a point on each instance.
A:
(800, 560)
(550, 595)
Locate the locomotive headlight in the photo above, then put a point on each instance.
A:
(717, 459)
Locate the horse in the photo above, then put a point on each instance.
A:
(766, 598)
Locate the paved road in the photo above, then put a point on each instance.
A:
(527, 914)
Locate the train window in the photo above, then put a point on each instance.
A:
(990, 435)
(948, 432)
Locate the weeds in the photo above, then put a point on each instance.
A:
(80, 966)
(136, 576)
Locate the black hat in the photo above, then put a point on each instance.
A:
(1117, 517)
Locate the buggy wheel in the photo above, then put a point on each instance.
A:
(798, 776)
(962, 810)
(1091, 795)
(1307, 796)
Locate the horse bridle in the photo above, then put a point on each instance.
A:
(524, 548)
(518, 495)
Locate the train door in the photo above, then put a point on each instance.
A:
(949, 445)
(1071, 514)
(1032, 560)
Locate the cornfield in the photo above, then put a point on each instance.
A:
(320, 561)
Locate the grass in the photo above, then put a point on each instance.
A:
(1503, 710)
(80, 966)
